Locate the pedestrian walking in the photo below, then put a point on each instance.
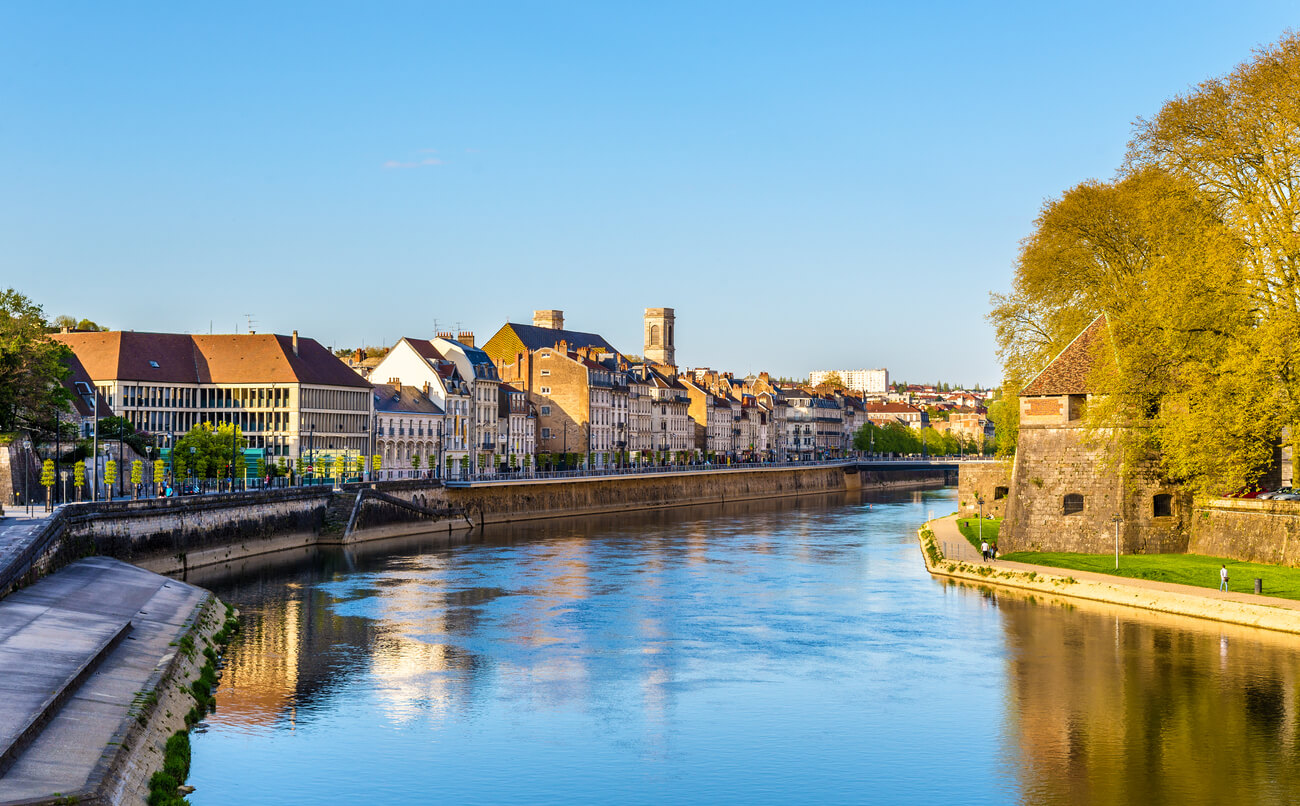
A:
(984, 550)
(1223, 577)
(993, 552)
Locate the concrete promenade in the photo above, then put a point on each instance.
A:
(1247, 609)
(17, 529)
(77, 649)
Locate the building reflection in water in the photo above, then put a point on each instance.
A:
(1117, 706)
(400, 611)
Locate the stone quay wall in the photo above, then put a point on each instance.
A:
(170, 535)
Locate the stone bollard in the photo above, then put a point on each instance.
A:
(1259, 585)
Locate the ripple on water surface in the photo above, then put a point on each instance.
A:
(779, 652)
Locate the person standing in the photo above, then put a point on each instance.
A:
(984, 550)
(1223, 577)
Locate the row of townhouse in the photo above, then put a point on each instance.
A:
(439, 410)
(445, 407)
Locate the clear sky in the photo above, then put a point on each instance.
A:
(809, 185)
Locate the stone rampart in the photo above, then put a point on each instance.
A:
(1067, 487)
(1248, 530)
(989, 480)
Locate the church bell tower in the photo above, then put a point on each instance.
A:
(659, 344)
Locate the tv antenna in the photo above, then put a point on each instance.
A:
(251, 321)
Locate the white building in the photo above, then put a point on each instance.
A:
(870, 381)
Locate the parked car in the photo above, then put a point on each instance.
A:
(1271, 495)
(1294, 495)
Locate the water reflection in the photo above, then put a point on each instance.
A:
(787, 651)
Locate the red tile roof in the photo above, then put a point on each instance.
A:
(185, 358)
(1068, 373)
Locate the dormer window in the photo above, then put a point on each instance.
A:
(153, 364)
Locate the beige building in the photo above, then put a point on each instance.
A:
(287, 395)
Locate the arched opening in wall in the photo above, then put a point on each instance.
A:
(1073, 503)
(999, 493)
(1162, 505)
(654, 335)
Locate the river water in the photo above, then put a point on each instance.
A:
(775, 652)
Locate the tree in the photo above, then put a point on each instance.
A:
(110, 477)
(159, 471)
(79, 477)
(71, 323)
(1152, 253)
(137, 477)
(47, 479)
(375, 464)
(834, 381)
(32, 367)
(206, 451)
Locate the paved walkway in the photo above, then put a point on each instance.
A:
(945, 531)
(16, 529)
(49, 630)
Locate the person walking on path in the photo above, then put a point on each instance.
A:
(1223, 577)
(984, 550)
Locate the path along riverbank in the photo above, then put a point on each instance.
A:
(964, 563)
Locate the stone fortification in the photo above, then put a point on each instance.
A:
(1248, 530)
(1067, 488)
(989, 480)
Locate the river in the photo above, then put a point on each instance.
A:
(775, 652)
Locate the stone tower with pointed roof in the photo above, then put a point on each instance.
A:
(1067, 485)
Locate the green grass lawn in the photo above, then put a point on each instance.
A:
(1184, 569)
(970, 529)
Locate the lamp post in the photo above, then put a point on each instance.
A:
(1116, 519)
(63, 477)
(439, 446)
(27, 472)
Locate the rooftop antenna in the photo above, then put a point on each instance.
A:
(251, 322)
(435, 326)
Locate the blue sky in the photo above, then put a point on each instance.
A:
(808, 184)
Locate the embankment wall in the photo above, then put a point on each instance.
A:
(1249, 530)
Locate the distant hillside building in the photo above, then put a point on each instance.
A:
(868, 381)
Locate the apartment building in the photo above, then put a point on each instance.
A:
(286, 394)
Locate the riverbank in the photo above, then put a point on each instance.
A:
(1244, 609)
(101, 657)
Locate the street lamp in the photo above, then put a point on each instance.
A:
(27, 472)
(1116, 519)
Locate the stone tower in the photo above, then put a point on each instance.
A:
(660, 347)
(553, 320)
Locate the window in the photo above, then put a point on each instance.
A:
(546, 373)
(546, 433)
(546, 390)
(1073, 503)
(546, 409)
(153, 364)
(1162, 505)
(999, 493)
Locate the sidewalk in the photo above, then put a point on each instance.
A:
(17, 529)
(945, 531)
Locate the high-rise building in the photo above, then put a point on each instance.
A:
(869, 381)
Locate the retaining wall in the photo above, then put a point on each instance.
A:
(1247, 529)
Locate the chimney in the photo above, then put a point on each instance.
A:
(361, 355)
(466, 338)
(295, 342)
(426, 389)
(446, 334)
(552, 319)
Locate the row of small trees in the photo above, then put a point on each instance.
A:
(898, 438)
